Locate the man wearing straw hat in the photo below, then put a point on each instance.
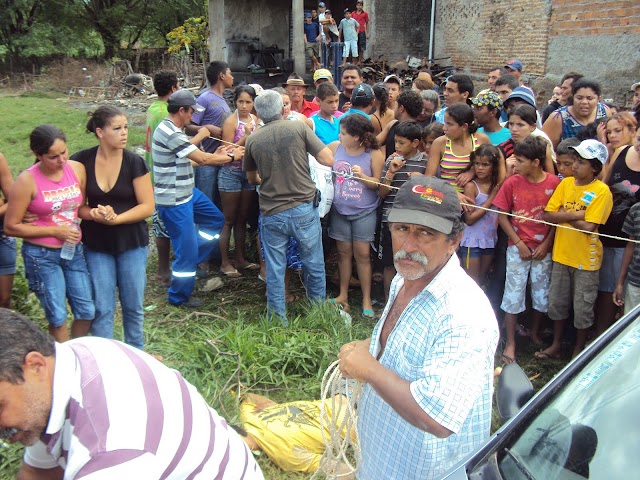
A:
(296, 88)
(428, 367)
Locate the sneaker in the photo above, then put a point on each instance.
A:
(193, 302)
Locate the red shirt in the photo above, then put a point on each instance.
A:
(518, 195)
(308, 108)
(362, 19)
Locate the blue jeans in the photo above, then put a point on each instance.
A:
(128, 271)
(206, 180)
(303, 224)
(52, 279)
(191, 244)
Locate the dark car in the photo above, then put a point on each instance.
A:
(585, 423)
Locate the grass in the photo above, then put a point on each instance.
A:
(22, 113)
(284, 364)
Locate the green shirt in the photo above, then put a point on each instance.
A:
(155, 114)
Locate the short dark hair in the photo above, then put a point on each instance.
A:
(501, 69)
(564, 147)
(164, 81)
(214, 70)
(351, 66)
(248, 89)
(509, 80)
(532, 148)
(409, 130)
(571, 75)
(586, 83)
(326, 89)
(412, 103)
(464, 83)
(462, 113)
(18, 337)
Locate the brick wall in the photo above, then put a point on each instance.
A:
(597, 38)
(481, 34)
(583, 18)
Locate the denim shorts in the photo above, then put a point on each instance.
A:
(52, 279)
(610, 269)
(353, 228)
(7, 255)
(233, 180)
(475, 252)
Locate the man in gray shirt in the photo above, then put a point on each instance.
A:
(276, 159)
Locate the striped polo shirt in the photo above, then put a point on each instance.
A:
(415, 164)
(172, 170)
(117, 413)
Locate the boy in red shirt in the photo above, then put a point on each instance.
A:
(362, 18)
(526, 194)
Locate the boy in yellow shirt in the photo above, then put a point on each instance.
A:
(582, 202)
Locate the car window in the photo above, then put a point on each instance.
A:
(591, 428)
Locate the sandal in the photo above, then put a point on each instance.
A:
(367, 314)
(231, 274)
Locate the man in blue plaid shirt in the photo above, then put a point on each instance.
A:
(428, 367)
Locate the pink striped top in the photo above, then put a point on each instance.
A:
(118, 413)
(451, 165)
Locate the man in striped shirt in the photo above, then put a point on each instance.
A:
(180, 205)
(93, 408)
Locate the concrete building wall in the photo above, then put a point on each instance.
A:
(597, 38)
(398, 28)
(233, 21)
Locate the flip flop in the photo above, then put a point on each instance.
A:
(261, 278)
(251, 266)
(232, 274)
(339, 305)
(544, 356)
(367, 314)
(506, 359)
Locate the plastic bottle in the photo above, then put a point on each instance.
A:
(68, 250)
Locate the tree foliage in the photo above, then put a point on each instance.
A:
(36, 29)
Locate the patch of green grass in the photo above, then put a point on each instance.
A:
(21, 114)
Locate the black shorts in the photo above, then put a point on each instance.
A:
(362, 42)
(385, 247)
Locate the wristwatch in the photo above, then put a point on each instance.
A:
(231, 156)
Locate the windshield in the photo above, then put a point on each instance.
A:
(591, 429)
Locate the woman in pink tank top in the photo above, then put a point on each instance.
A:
(52, 191)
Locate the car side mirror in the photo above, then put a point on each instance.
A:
(513, 390)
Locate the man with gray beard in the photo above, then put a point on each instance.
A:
(428, 367)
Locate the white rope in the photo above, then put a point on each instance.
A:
(500, 212)
(341, 424)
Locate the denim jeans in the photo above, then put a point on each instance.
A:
(303, 224)
(127, 272)
(52, 279)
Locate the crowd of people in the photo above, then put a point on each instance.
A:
(479, 209)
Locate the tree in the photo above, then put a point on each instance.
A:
(116, 21)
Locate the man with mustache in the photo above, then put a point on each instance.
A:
(97, 408)
(428, 367)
